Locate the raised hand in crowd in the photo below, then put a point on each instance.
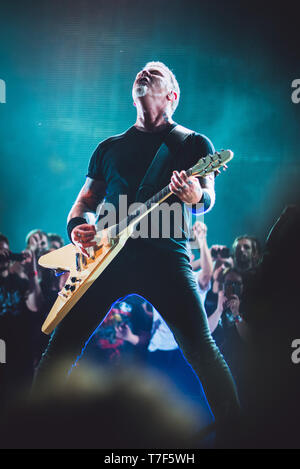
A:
(229, 304)
(214, 319)
(200, 230)
(233, 305)
(37, 242)
(125, 333)
(221, 263)
(35, 298)
(205, 274)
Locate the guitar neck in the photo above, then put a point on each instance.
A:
(137, 215)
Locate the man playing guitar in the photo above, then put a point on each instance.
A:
(157, 269)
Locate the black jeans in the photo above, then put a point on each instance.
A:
(166, 280)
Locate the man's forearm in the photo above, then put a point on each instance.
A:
(35, 299)
(206, 261)
(213, 320)
(206, 272)
(89, 197)
(80, 209)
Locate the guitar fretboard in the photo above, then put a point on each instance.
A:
(146, 206)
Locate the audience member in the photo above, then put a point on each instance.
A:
(20, 301)
(55, 241)
(251, 300)
(246, 252)
(123, 336)
(228, 317)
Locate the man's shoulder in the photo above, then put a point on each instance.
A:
(201, 139)
(108, 142)
(194, 137)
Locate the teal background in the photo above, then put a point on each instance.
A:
(69, 68)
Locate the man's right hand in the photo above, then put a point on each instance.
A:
(82, 236)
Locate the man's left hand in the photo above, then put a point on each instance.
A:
(187, 189)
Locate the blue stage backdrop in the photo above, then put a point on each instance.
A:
(66, 71)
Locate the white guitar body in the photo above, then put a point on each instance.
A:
(85, 270)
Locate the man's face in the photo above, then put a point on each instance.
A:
(233, 285)
(55, 245)
(152, 81)
(244, 253)
(225, 262)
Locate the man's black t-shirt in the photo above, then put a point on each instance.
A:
(123, 160)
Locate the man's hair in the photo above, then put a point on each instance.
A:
(174, 82)
(223, 274)
(4, 239)
(255, 244)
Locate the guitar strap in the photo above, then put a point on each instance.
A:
(169, 149)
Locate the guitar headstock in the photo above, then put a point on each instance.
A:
(211, 163)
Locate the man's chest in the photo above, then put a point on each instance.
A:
(128, 162)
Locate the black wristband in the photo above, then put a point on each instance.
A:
(74, 222)
(205, 201)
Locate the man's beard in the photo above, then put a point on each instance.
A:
(244, 262)
(140, 91)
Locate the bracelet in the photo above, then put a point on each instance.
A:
(205, 200)
(238, 318)
(74, 222)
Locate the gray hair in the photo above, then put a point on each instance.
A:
(173, 81)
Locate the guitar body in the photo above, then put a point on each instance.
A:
(83, 272)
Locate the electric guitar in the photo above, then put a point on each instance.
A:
(85, 270)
